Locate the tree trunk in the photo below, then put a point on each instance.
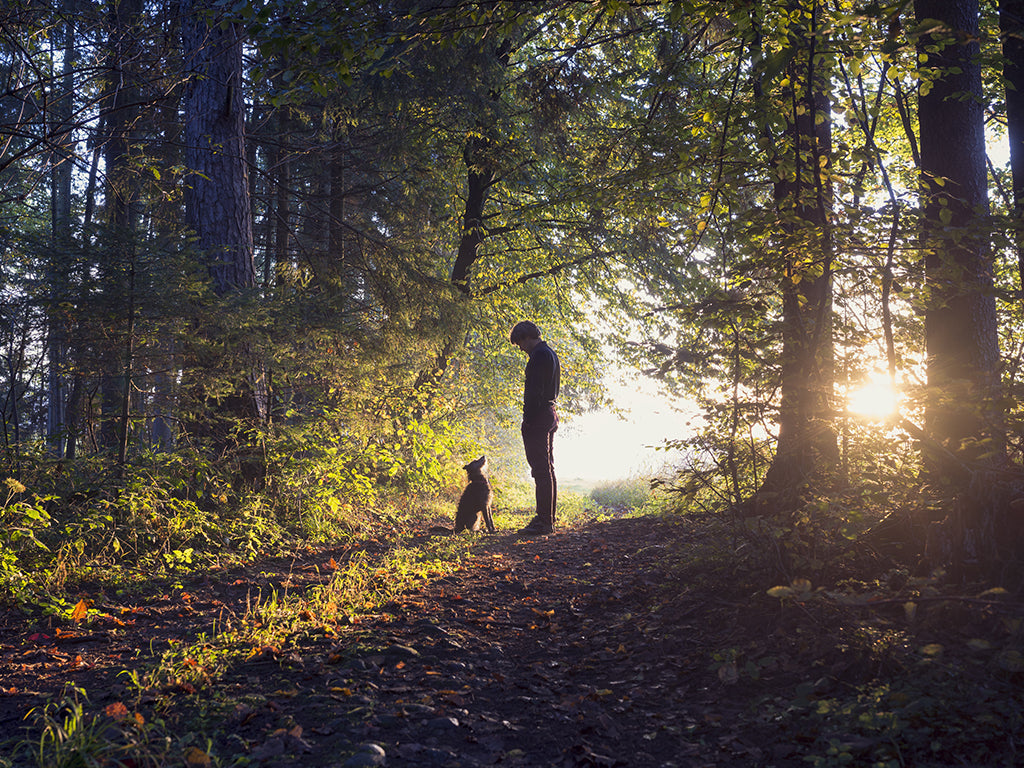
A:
(963, 433)
(56, 416)
(1011, 21)
(120, 193)
(479, 178)
(961, 410)
(807, 451)
(217, 200)
(217, 196)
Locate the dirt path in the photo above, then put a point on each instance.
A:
(567, 650)
(541, 652)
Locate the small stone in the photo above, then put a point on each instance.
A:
(418, 709)
(401, 650)
(443, 724)
(368, 756)
(270, 748)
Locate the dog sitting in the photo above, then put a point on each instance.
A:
(474, 510)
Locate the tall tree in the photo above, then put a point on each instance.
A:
(217, 198)
(121, 111)
(217, 195)
(807, 448)
(1011, 22)
(62, 165)
(962, 408)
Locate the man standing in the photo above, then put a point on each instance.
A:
(540, 421)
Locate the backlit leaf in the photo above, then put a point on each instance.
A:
(80, 611)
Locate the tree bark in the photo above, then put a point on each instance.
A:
(961, 410)
(56, 415)
(1011, 22)
(121, 192)
(217, 196)
(807, 450)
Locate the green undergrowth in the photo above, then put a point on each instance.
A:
(631, 495)
(69, 732)
(85, 526)
(80, 544)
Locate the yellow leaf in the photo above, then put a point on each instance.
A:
(801, 585)
(196, 758)
(994, 592)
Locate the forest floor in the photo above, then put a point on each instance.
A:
(617, 642)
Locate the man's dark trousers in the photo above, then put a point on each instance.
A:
(538, 437)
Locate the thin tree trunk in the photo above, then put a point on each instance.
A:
(56, 427)
(1011, 21)
(121, 194)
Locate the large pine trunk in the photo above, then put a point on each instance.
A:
(217, 196)
(217, 202)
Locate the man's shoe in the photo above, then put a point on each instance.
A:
(535, 528)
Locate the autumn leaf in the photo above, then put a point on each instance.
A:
(117, 710)
(81, 610)
(332, 564)
(196, 758)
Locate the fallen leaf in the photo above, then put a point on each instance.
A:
(81, 610)
(117, 710)
(196, 758)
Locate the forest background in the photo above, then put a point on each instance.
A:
(259, 263)
(260, 259)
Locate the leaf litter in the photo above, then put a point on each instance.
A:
(591, 647)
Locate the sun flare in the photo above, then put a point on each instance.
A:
(875, 400)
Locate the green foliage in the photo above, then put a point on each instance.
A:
(21, 522)
(622, 495)
(72, 735)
